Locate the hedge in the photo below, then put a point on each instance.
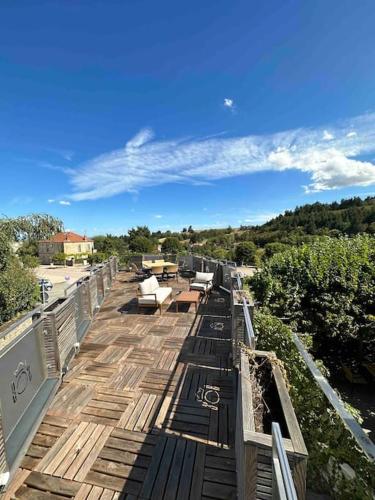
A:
(336, 464)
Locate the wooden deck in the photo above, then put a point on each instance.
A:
(146, 411)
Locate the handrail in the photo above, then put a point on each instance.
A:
(250, 335)
(348, 420)
(282, 481)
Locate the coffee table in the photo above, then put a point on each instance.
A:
(191, 297)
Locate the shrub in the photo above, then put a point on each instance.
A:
(59, 258)
(19, 290)
(141, 244)
(329, 443)
(246, 252)
(97, 257)
(272, 248)
(325, 289)
(30, 261)
(171, 245)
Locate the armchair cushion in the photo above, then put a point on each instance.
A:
(201, 287)
(157, 297)
(148, 286)
(203, 277)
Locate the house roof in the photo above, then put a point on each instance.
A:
(68, 237)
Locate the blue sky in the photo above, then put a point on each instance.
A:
(120, 113)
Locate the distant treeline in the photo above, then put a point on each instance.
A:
(250, 244)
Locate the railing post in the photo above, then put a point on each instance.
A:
(4, 468)
(282, 481)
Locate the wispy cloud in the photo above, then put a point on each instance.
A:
(158, 216)
(145, 161)
(228, 103)
(67, 154)
(60, 202)
(328, 136)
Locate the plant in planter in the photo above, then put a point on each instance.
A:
(262, 399)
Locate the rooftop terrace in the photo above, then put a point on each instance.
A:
(146, 409)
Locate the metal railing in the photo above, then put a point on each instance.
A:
(250, 339)
(244, 306)
(282, 480)
(363, 441)
(34, 353)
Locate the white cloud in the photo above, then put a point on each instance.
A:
(158, 216)
(327, 136)
(351, 134)
(51, 200)
(146, 161)
(64, 202)
(228, 103)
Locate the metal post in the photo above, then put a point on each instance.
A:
(282, 481)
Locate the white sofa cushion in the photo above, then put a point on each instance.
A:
(203, 277)
(162, 293)
(201, 287)
(148, 286)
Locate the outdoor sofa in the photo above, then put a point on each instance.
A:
(202, 282)
(151, 294)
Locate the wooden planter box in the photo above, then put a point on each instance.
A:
(254, 449)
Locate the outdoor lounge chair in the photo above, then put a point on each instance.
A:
(158, 272)
(202, 282)
(140, 274)
(171, 272)
(151, 294)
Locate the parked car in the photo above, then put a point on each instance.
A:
(46, 282)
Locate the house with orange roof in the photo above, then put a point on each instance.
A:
(72, 244)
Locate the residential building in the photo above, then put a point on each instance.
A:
(69, 243)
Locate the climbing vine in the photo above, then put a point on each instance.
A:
(336, 464)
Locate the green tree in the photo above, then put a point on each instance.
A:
(31, 227)
(273, 248)
(171, 245)
(18, 286)
(325, 289)
(245, 252)
(139, 231)
(141, 244)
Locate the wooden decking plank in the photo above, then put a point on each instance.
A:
(220, 476)
(120, 444)
(163, 472)
(124, 457)
(90, 455)
(187, 471)
(220, 491)
(83, 492)
(26, 493)
(77, 451)
(119, 470)
(137, 411)
(196, 485)
(139, 437)
(52, 484)
(58, 449)
(175, 472)
(139, 425)
(153, 468)
(112, 483)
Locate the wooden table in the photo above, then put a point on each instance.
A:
(152, 265)
(192, 297)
